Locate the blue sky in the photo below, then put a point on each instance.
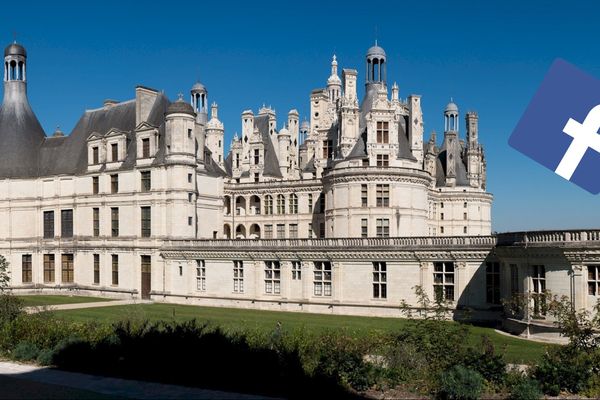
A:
(488, 57)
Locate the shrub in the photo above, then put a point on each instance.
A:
(460, 383)
(11, 307)
(526, 389)
(487, 362)
(564, 368)
(25, 351)
(45, 357)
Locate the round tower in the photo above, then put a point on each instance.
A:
(214, 135)
(334, 83)
(199, 102)
(451, 117)
(376, 65)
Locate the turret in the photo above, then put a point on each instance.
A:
(214, 135)
(284, 151)
(474, 152)
(451, 144)
(199, 102)
(179, 134)
(376, 65)
(334, 83)
(415, 127)
(247, 129)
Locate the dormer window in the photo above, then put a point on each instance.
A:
(145, 147)
(114, 151)
(383, 132)
(95, 155)
(256, 156)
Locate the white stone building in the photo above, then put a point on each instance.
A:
(343, 213)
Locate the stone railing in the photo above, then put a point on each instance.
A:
(348, 243)
(591, 236)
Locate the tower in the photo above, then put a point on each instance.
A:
(214, 135)
(199, 102)
(376, 65)
(451, 141)
(334, 83)
(179, 134)
(474, 152)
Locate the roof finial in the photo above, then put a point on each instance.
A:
(180, 95)
(375, 35)
(15, 37)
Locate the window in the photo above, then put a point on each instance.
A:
(66, 223)
(48, 224)
(95, 158)
(310, 203)
(464, 229)
(268, 231)
(322, 278)
(200, 275)
(593, 280)
(272, 277)
(383, 195)
(268, 204)
(190, 197)
(441, 205)
(539, 288)
(256, 156)
(441, 229)
(145, 147)
(96, 269)
(146, 180)
(189, 133)
(296, 270)
(383, 132)
(48, 268)
(293, 231)
(180, 270)
(114, 221)
(67, 268)
(492, 282)
(364, 228)
(95, 185)
(322, 203)
(256, 177)
(465, 204)
(26, 269)
(146, 222)
(464, 216)
(443, 280)
(442, 216)
(383, 160)
(280, 204)
(379, 280)
(310, 230)
(190, 221)
(114, 151)
(237, 160)
(189, 178)
(383, 227)
(293, 204)
(115, 269)
(327, 149)
(280, 231)
(96, 222)
(322, 230)
(514, 279)
(114, 183)
(364, 195)
(238, 276)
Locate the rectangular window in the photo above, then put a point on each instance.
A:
(268, 204)
(146, 181)
(310, 203)
(322, 230)
(115, 269)
(464, 216)
(95, 158)
(383, 160)
(443, 280)
(190, 221)
(296, 270)
(327, 149)
(114, 183)
(96, 221)
(238, 276)
(310, 230)
(67, 268)
(256, 177)
(321, 203)
(256, 156)
(114, 221)
(189, 178)
(383, 227)
(26, 269)
(268, 231)
(280, 231)
(48, 268)
(145, 147)
(293, 204)
(379, 280)
(48, 224)
(514, 279)
(383, 132)
(538, 279)
(190, 197)
(594, 280)
(293, 231)
(364, 227)
(442, 216)
(322, 278)
(66, 223)
(200, 275)
(280, 204)
(464, 229)
(364, 195)
(492, 282)
(189, 133)
(146, 222)
(383, 195)
(272, 277)
(96, 269)
(237, 160)
(95, 185)
(114, 151)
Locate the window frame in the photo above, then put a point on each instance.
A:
(272, 277)
(200, 275)
(444, 274)
(146, 221)
(238, 276)
(26, 268)
(322, 279)
(67, 268)
(379, 280)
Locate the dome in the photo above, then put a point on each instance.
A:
(304, 126)
(198, 87)
(58, 133)
(180, 107)
(451, 107)
(284, 132)
(15, 49)
(376, 51)
(334, 80)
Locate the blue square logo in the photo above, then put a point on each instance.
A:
(560, 126)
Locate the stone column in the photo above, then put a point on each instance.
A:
(336, 281)
(578, 287)
(460, 268)
(258, 281)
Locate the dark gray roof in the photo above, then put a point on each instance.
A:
(271, 166)
(228, 162)
(460, 167)
(15, 49)
(310, 165)
(180, 106)
(360, 148)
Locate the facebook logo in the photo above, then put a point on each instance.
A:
(560, 126)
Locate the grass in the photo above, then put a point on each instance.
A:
(516, 350)
(52, 300)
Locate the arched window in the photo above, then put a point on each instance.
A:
(280, 204)
(268, 204)
(20, 71)
(13, 71)
(293, 204)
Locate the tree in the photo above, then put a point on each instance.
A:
(4, 274)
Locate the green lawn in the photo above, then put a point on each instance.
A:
(50, 300)
(516, 350)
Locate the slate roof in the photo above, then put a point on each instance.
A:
(460, 167)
